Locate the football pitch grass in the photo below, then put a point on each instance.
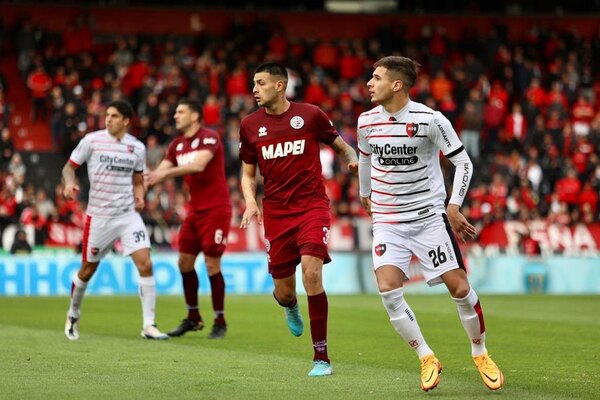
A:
(547, 346)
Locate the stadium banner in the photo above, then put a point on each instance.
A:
(244, 273)
(577, 239)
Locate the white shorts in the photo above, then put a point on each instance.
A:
(99, 235)
(431, 241)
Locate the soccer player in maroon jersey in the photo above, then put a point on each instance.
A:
(197, 155)
(283, 139)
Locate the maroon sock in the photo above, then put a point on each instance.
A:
(317, 311)
(217, 290)
(190, 291)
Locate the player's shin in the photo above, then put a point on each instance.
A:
(217, 291)
(404, 321)
(147, 291)
(471, 317)
(78, 288)
(190, 292)
(318, 312)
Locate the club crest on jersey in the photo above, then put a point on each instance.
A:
(130, 148)
(296, 122)
(195, 143)
(412, 129)
(262, 131)
(94, 251)
(380, 249)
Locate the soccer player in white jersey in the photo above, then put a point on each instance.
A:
(115, 163)
(402, 188)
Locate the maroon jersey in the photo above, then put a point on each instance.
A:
(209, 187)
(286, 149)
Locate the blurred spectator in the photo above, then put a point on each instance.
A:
(154, 152)
(7, 148)
(17, 168)
(20, 244)
(515, 129)
(4, 110)
(40, 84)
(568, 188)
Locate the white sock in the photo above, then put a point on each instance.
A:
(471, 317)
(147, 290)
(76, 297)
(404, 321)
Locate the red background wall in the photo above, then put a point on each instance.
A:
(180, 21)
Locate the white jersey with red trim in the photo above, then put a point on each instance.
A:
(110, 163)
(406, 179)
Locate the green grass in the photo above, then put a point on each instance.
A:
(547, 347)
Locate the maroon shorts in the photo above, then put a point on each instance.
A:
(287, 238)
(205, 231)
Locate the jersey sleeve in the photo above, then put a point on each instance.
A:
(247, 150)
(82, 152)
(363, 144)
(170, 155)
(326, 132)
(211, 141)
(443, 135)
(140, 164)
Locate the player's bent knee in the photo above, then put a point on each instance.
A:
(145, 267)
(87, 271)
(460, 291)
(284, 298)
(387, 286)
(392, 299)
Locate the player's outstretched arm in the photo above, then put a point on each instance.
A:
(70, 181)
(249, 186)
(158, 175)
(347, 153)
(139, 191)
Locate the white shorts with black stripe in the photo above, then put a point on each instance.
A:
(100, 233)
(431, 241)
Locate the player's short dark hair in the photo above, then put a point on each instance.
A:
(193, 104)
(273, 68)
(405, 67)
(123, 107)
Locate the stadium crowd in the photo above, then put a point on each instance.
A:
(526, 109)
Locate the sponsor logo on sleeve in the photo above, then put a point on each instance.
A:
(443, 132)
(209, 140)
(262, 131)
